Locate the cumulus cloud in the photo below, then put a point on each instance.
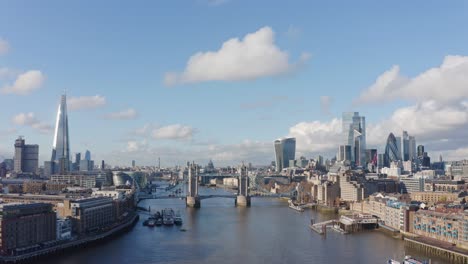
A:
(136, 146)
(446, 83)
(126, 114)
(429, 122)
(86, 102)
(317, 136)
(4, 47)
(30, 120)
(176, 132)
(248, 151)
(25, 83)
(252, 57)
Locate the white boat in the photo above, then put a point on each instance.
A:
(408, 260)
(295, 207)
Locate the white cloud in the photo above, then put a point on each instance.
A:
(177, 132)
(446, 83)
(4, 47)
(136, 146)
(86, 102)
(30, 119)
(325, 104)
(248, 151)
(221, 154)
(125, 114)
(25, 83)
(428, 121)
(317, 136)
(255, 56)
(455, 154)
(142, 131)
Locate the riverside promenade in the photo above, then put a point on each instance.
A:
(126, 224)
(438, 248)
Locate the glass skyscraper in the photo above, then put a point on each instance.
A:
(87, 155)
(61, 145)
(391, 150)
(285, 150)
(412, 148)
(354, 135)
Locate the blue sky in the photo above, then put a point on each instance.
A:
(117, 56)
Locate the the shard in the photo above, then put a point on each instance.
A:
(61, 145)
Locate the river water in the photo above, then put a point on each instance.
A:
(219, 232)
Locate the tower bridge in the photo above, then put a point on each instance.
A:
(195, 178)
(193, 199)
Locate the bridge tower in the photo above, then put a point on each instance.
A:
(193, 200)
(243, 197)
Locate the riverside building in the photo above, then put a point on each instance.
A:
(24, 226)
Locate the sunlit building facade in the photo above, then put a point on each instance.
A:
(61, 145)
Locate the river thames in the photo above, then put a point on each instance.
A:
(219, 232)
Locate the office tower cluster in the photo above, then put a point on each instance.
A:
(353, 151)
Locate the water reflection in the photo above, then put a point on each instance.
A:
(219, 232)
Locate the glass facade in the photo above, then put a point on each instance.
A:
(391, 150)
(354, 134)
(285, 150)
(61, 145)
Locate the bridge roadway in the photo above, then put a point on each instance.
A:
(233, 196)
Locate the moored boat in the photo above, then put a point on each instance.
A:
(295, 207)
(168, 216)
(159, 222)
(178, 219)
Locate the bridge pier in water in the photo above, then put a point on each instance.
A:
(243, 197)
(193, 200)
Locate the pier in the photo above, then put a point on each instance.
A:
(346, 224)
(321, 227)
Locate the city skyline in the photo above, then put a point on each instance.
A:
(142, 93)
